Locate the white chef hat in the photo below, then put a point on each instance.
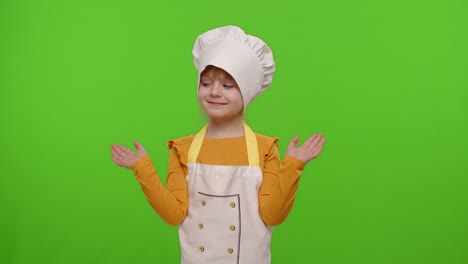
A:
(246, 58)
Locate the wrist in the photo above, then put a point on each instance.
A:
(299, 164)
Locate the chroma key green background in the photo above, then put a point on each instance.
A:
(385, 81)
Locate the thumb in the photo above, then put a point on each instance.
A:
(137, 144)
(294, 141)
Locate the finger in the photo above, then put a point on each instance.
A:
(116, 161)
(317, 149)
(314, 141)
(119, 150)
(138, 146)
(309, 140)
(118, 156)
(123, 150)
(115, 150)
(114, 153)
(294, 141)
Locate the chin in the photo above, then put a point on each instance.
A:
(217, 117)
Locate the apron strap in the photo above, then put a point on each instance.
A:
(250, 139)
(252, 147)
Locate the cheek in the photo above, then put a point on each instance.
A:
(203, 90)
(238, 98)
(200, 93)
(201, 98)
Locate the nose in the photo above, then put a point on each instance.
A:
(216, 89)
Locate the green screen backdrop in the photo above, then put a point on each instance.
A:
(385, 81)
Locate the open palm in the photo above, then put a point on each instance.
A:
(125, 157)
(309, 150)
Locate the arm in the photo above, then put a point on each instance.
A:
(171, 204)
(279, 186)
(280, 180)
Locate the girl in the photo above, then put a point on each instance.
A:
(226, 186)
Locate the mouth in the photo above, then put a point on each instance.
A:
(216, 103)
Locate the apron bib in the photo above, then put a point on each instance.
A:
(223, 224)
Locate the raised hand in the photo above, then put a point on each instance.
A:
(125, 157)
(309, 150)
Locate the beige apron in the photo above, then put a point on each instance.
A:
(223, 223)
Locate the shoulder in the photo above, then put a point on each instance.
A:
(265, 139)
(266, 143)
(180, 147)
(180, 143)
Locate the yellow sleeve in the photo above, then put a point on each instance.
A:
(171, 204)
(279, 186)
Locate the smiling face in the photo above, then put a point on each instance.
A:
(219, 95)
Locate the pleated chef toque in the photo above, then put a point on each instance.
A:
(246, 58)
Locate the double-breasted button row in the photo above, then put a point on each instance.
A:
(229, 250)
(231, 227)
(232, 204)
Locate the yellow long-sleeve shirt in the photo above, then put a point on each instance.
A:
(276, 194)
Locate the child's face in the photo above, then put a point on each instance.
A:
(219, 95)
